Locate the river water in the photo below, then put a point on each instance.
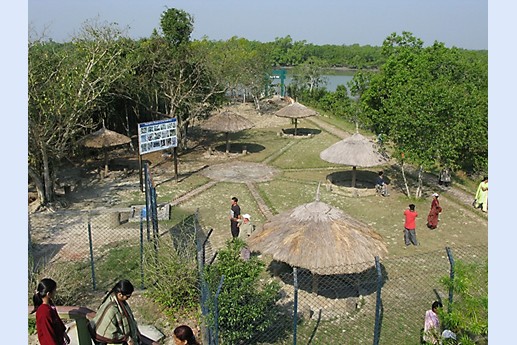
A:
(333, 80)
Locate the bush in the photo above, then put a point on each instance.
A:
(246, 305)
(171, 272)
(467, 315)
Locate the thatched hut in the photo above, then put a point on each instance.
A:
(356, 151)
(104, 139)
(320, 238)
(227, 122)
(295, 111)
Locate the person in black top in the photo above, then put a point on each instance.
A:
(235, 215)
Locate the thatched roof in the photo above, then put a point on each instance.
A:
(104, 138)
(295, 111)
(227, 121)
(319, 237)
(355, 150)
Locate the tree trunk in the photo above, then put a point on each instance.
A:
(418, 192)
(47, 180)
(405, 179)
(39, 186)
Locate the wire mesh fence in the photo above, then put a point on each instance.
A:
(383, 304)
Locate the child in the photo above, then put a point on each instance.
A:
(183, 335)
(51, 329)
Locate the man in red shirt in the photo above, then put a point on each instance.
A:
(410, 225)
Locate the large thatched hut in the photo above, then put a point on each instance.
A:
(320, 238)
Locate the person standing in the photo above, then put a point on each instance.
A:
(49, 326)
(235, 215)
(410, 225)
(432, 324)
(434, 212)
(482, 195)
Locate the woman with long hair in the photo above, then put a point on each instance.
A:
(114, 322)
(49, 326)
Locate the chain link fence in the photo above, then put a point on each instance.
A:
(384, 303)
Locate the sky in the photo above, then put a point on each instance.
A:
(460, 23)
(465, 24)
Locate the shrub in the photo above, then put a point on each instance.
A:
(467, 315)
(171, 271)
(246, 305)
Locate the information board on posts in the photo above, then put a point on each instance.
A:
(156, 135)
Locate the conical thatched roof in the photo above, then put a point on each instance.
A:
(356, 150)
(319, 237)
(104, 138)
(226, 121)
(295, 111)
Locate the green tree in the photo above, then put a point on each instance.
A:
(431, 103)
(176, 25)
(66, 85)
(246, 305)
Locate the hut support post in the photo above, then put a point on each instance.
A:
(315, 280)
(354, 170)
(295, 307)
(378, 304)
(105, 162)
(295, 126)
(227, 142)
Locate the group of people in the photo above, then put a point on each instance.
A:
(410, 215)
(114, 322)
(240, 225)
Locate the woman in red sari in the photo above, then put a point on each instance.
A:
(49, 326)
(432, 217)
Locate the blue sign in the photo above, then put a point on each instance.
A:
(157, 135)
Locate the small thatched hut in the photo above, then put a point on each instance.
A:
(355, 151)
(227, 122)
(295, 111)
(104, 139)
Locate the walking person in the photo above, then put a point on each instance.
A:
(434, 213)
(410, 225)
(49, 326)
(481, 200)
(245, 231)
(114, 322)
(183, 335)
(235, 215)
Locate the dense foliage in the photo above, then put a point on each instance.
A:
(246, 305)
(467, 316)
(431, 103)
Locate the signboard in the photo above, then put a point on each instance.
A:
(156, 135)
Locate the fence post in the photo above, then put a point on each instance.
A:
(295, 311)
(451, 274)
(141, 253)
(146, 185)
(204, 245)
(378, 304)
(92, 264)
(216, 311)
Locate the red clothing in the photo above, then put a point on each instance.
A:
(410, 222)
(50, 327)
(432, 217)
